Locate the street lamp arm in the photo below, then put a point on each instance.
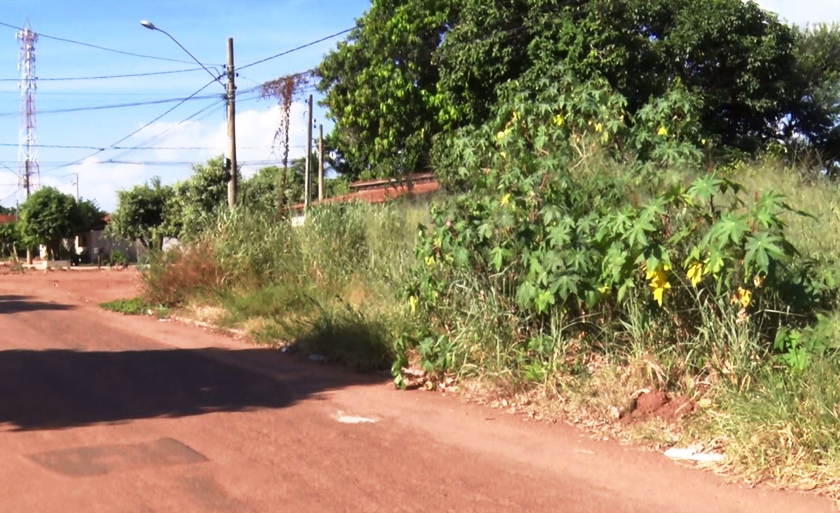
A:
(149, 25)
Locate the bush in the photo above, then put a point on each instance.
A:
(173, 277)
(119, 258)
(573, 224)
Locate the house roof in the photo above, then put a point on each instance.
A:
(8, 218)
(380, 191)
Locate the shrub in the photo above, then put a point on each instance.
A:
(572, 224)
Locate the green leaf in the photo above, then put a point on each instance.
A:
(760, 249)
(525, 294)
(498, 256)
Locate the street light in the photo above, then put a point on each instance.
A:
(230, 162)
(151, 26)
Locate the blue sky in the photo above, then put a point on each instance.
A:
(260, 28)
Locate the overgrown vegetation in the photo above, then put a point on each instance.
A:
(641, 197)
(329, 288)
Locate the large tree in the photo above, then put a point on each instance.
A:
(817, 107)
(734, 56)
(415, 69)
(381, 86)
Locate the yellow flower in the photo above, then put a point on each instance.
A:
(662, 132)
(501, 135)
(515, 116)
(703, 142)
(604, 290)
(658, 279)
(559, 120)
(413, 302)
(695, 273)
(758, 281)
(742, 297)
(505, 199)
(599, 127)
(503, 154)
(659, 292)
(430, 261)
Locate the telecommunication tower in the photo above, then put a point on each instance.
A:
(29, 175)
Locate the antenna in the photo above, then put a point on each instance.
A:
(29, 174)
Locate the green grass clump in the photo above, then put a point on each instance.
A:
(134, 306)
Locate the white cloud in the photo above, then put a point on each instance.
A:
(255, 131)
(801, 12)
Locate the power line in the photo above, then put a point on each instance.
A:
(114, 106)
(287, 52)
(103, 77)
(82, 147)
(76, 93)
(98, 47)
(134, 132)
(10, 196)
(207, 110)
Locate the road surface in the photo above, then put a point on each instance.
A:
(105, 413)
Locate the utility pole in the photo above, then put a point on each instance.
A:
(26, 184)
(231, 122)
(307, 182)
(232, 174)
(321, 165)
(78, 197)
(26, 179)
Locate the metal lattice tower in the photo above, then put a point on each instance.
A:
(29, 175)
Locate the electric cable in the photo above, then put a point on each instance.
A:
(132, 133)
(99, 47)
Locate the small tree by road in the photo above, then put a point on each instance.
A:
(48, 216)
(140, 213)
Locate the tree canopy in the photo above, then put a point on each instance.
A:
(413, 71)
(140, 213)
(381, 86)
(48, 216)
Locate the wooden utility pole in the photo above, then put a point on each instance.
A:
(321, 165)
(307, 181)
(231, 126)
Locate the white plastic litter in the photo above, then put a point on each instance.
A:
(352, 419)
(691, 453)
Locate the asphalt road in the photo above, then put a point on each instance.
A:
(105, 413)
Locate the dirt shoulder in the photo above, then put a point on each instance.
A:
(166, 417)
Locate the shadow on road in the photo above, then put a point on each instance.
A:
(15, 304)
(56, 389)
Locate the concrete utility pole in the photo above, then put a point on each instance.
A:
(26, 185)
(321, 165)
(307, 181)
(231, 122)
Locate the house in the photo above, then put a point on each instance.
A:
(86, 244)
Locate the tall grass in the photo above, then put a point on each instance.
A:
(329, 287)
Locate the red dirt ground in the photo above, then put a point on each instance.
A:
(658, 405)
(101, 412)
